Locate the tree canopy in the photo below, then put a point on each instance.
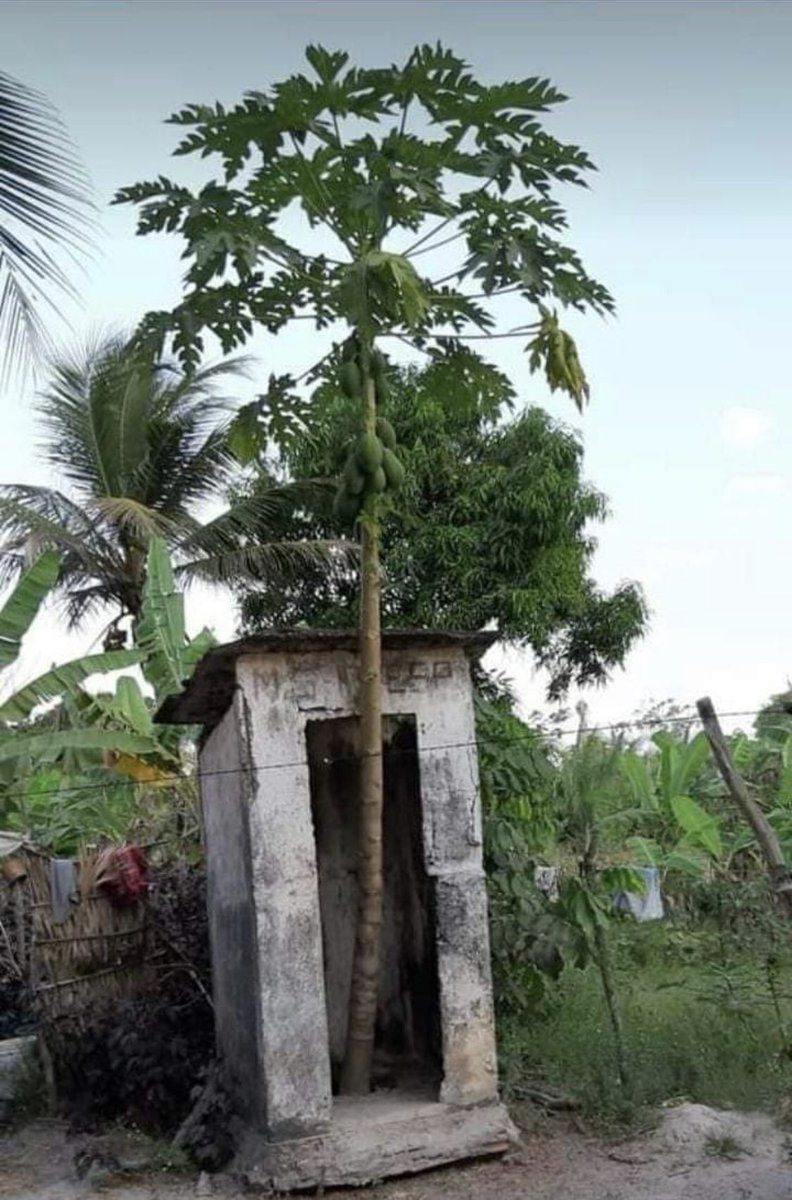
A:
(492, 526)
(144, 448)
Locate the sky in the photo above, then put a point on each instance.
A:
(686, 109)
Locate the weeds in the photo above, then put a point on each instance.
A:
(701, 1028)
(724, 1147)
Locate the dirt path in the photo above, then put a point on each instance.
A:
(695, 1154)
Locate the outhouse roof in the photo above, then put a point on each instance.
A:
(207, 695)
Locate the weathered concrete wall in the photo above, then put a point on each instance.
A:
(453, 851)
(235, 980)
(291, 1004)
(287, 1048)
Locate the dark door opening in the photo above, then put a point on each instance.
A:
(407, 1044)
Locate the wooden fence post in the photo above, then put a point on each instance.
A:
(766, 837)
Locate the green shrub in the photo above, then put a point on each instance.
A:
(705, 1030)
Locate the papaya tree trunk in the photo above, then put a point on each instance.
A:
(356, 1070)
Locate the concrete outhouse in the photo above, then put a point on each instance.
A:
(279, 787)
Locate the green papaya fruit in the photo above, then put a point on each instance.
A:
(386, 433)
(394, 471)
(354, 479)
(378, 365)
(345, 506)
(368, 453)
(351, 380)
(350, 349)
(378, 480)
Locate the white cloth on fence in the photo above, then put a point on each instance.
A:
(546, 880)
(648, 904)
(9, 843)
(63, 888)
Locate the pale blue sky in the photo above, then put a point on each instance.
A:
(687, 110)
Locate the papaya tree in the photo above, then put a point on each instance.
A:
(492, 529)
(425, 197)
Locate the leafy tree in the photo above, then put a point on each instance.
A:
(392, 165)
(774, 721)
(492, 524)
(43, 213)
(145, 448)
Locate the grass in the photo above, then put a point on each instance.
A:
(724, 1147)
(696, 1026)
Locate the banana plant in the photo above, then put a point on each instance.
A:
(67, 773)
(19, 740)
(678, 833)
(21, 607)
(168, 659)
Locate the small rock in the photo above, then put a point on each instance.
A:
(204, 1185)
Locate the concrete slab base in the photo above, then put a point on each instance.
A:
(372, 1137)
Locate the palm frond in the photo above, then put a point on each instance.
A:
(85, 600)
(258, 517)
(43, 204)
(38, 517)
(139, 520)
(272, 562)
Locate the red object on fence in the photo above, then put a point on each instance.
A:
(121, 875)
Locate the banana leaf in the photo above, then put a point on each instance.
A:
(19, 610)
(48, 745)
(65, 678)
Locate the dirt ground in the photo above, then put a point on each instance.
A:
(695, 1153)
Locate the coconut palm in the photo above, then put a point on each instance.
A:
(43, 210)
(143, 450)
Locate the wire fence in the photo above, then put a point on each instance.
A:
(531, 734)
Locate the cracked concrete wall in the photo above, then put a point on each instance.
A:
(290, 999)
(278, 693)
(232, 933)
